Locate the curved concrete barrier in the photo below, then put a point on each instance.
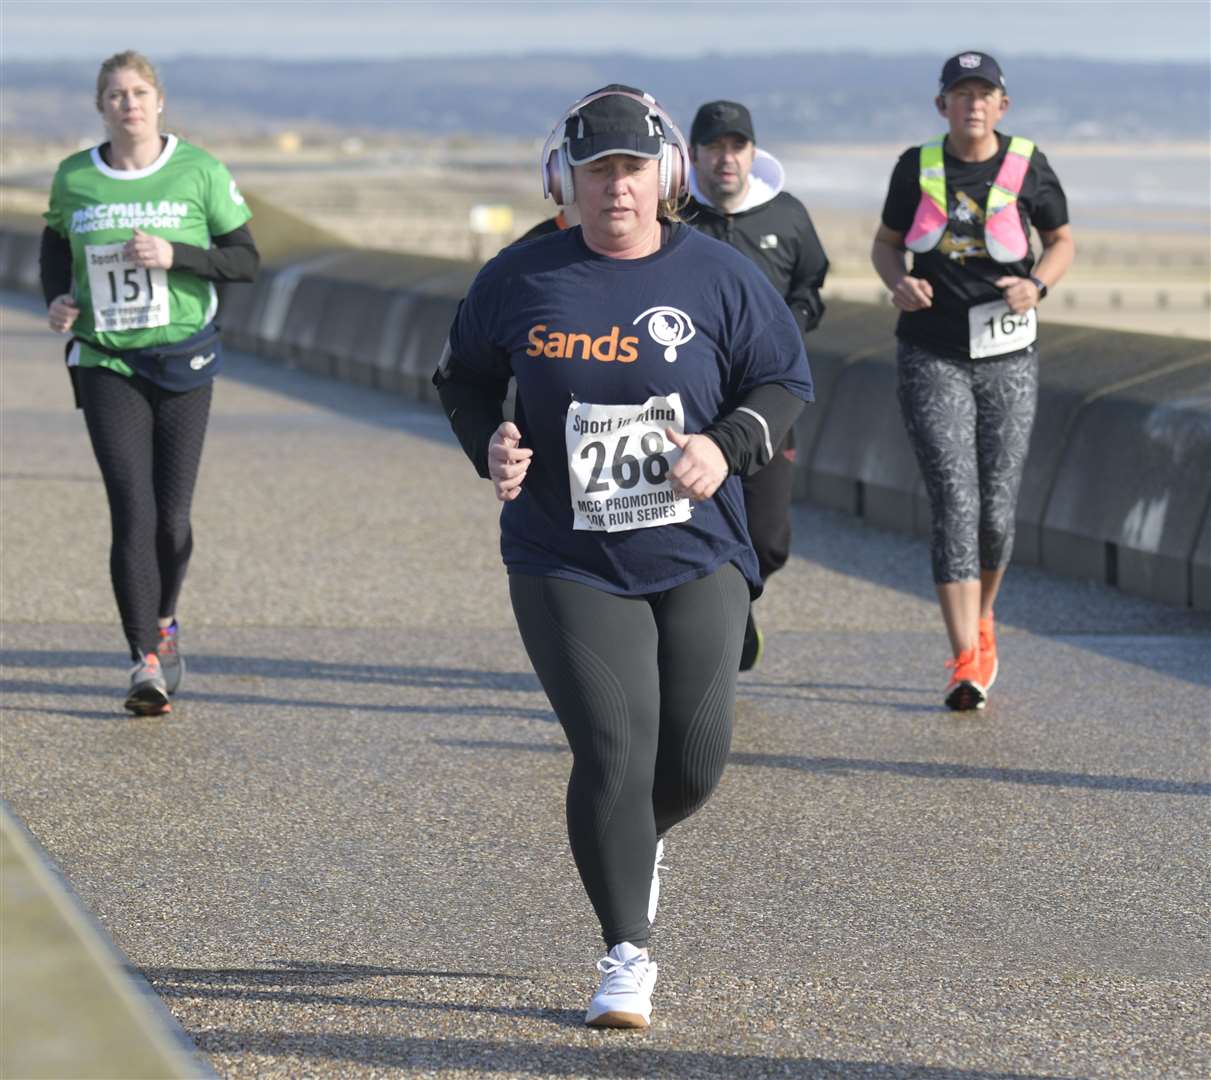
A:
(863, 461)
(295, 341)
(842, 338)
(386, 358)
(270, 314)
(424, 339)
(349, 329)
(21, 261)
(382, 318)
(237, 309)
(8, 258)
(1077, 365)
(1131, 494)
(1200, 567)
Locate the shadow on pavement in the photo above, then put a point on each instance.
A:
(751, 690)
(304, 984)
(921, 770)
(12, 686)
(618, 1056)
(930, 770)
(273, 668)
(305, 974)
(1169, 640)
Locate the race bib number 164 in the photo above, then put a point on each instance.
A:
(619, 462)
(995, 330)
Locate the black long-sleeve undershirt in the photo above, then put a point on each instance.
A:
(750, 433)
(232, 257)
(475, 410)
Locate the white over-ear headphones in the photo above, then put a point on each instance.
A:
(674, 153)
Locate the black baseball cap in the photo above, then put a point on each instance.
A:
(971, 65)
(615, 124)
(717, 118)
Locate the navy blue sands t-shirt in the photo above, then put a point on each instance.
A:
(697, 320)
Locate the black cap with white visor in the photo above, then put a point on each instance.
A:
(616, 119)
(617, 123)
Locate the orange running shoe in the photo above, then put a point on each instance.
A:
(966, 689)
(988, 653)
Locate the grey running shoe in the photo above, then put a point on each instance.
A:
(171, 660)
(148, 692)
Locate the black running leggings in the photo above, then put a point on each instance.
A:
(645, 689)
(767, 505)
(148, 443)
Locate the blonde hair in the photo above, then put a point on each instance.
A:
(133, 60)
(670, 209)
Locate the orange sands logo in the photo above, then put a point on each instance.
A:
(558, 345)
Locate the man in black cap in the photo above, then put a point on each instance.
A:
(737, 197)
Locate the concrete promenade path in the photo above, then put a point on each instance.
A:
(343, 854)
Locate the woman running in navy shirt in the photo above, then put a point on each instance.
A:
(655, 367)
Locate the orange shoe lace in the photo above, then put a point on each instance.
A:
(965, 667)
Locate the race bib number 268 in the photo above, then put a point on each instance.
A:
(619, 462)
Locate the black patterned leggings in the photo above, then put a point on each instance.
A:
(969, 423)
(148, 443)
(645, 689)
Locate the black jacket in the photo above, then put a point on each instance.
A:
(780, 238)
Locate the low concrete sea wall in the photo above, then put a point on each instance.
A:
(1117, 486)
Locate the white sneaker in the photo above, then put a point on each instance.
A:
(624, 998)
(654, 895)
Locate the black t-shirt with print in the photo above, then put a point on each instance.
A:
(959, 268)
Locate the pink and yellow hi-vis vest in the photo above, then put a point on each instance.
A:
(1004, 238)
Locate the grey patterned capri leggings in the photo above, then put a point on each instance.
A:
(969, 423)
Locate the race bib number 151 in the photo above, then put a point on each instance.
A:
(619, 462)
(125, 296)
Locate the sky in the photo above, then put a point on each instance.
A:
(297, 29)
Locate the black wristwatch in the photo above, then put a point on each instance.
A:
(1039, 284)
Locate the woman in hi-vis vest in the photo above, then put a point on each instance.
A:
(968, 356)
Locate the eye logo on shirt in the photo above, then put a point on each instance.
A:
(669, 326)
(234, 192)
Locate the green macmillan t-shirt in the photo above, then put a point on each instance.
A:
(184, 196)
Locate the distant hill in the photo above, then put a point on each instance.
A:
(834, 97)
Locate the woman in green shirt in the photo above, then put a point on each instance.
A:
(139, 230)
